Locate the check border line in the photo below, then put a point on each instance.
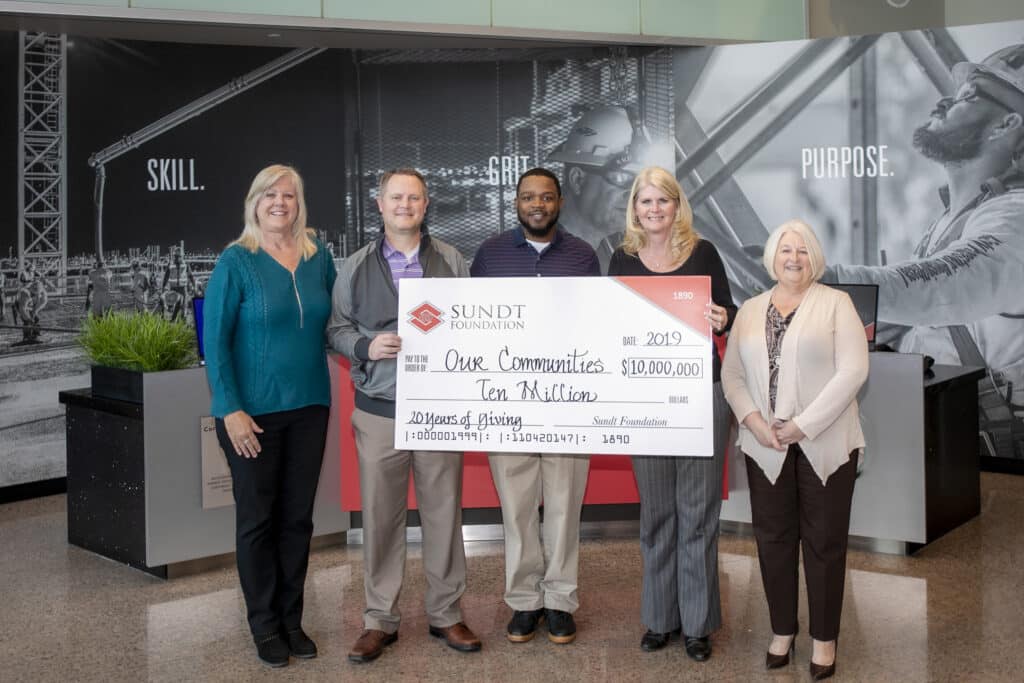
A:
(520, 372)
(498, 403)
(620, 427)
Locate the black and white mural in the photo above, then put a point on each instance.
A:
(903, 150)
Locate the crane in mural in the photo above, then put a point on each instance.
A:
(107, 283)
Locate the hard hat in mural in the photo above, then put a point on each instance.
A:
(1005, 66)
(598, 138)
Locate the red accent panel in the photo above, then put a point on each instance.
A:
(349, 470)
(611, 476)
(661, 292)
(720, 341)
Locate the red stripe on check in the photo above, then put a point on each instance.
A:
(669, 293)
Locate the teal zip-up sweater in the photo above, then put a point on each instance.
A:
(264, 332)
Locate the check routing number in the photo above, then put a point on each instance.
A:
(593, 365)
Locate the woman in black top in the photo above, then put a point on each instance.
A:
(680, 496)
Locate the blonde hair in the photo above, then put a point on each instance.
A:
(814, 252)
(683, 237)
(250, 237)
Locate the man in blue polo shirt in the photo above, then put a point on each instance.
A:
(536, 589)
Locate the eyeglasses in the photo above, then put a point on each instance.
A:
(970, 92)
(617, 177)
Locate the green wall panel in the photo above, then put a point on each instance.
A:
(282, 8)
(470, 12)
(102, 3)
(597, 16)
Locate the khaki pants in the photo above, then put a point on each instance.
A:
(383, 484)
(541, 574)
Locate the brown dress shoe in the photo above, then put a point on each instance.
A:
(370, 645)
(457, 636)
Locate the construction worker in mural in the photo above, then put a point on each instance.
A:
(28, 273)
(98, 297)
(3, 296)
(604, 151)
(29, 301)
(153, 268)
(177, 285)
(140, 287)
(960, 297)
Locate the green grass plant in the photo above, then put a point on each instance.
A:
(138, 341)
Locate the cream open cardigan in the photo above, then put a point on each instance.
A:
(822, 365)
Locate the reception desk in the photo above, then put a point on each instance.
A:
(919, 477)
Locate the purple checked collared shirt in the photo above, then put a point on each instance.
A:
(400, 266)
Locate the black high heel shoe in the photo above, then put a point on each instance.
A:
(820, 672)
(773, 661)
(655, 641)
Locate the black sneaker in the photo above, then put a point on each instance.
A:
(523, 626)
(272, 650)
(299, 644)
(561, 626)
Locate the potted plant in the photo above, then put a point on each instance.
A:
(122, 345)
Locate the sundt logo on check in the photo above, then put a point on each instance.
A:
(425, 317)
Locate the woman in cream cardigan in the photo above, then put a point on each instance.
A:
(796, 358)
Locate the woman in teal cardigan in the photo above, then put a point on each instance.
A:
(267, 304)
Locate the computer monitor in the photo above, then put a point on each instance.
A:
(865, 300)
(197, 315)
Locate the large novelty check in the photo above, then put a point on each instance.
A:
(555, 365)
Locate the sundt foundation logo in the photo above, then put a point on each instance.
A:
(425, 317)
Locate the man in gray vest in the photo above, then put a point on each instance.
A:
(363, 327)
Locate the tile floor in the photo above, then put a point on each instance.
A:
(954, 612)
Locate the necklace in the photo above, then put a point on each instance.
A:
(658, 264)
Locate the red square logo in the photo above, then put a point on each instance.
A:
(425, 317)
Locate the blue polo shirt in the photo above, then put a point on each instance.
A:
(508, 254)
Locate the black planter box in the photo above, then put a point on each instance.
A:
(122, 385)
(107, 478)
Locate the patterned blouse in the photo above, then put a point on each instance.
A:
(775, 326)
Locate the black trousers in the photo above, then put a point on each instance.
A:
(799, 511)
(274, 496)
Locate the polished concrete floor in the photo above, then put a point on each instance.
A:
(953, 612)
